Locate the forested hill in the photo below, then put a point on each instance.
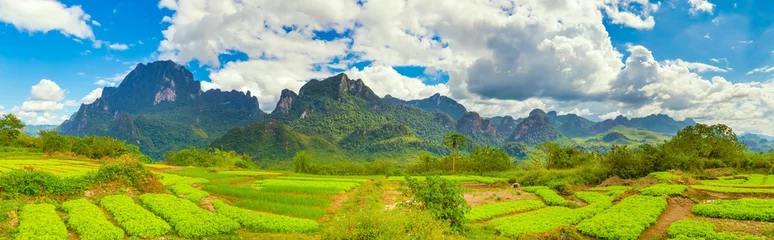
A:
(160, 107)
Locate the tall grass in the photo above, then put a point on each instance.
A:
(253, 194)
(283, 209)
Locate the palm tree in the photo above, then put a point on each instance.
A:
(454, 141)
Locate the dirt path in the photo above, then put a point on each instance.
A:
(678, 208)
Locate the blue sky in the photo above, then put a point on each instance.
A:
(732, 36)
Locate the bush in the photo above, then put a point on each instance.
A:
(133, 218)
(129, 172)
(302, 162)
(89, 221)
(441, 197)
(489, 159)
(40, 221)
(38, 183)
(201, 157)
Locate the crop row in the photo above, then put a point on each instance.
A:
(89, 221)
(188, 219)
(626, 220)
(324, 179)
(755, 180)
(663, 176)
(496, 209)
(40, 221)
(172, 179)
(664, 189)
(284, 209)
(304, 187)
(265, 222)
(480, 179)
(742, 209)
(547, 194)
(613, 191)
(254, 194)
(190, 192)
(733, 189)
(690, 229)
(133, 218)
(546, 219)
(593, 197)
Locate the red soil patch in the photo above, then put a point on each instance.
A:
(677, 209)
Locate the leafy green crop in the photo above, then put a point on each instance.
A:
(754, 180)
(284, 209)
(492, 210)
(487, 180)
(89, 221)
(304, 186)
(188, 219)
(613, 191)
(546, 219)
(190, 193)
(742, 209)
(133, 218)
(690, 229)
(265, 222)
(626, 220)
(663, 176)
(547, 194)
(172, 179)
(40, 221)
(255, 194)
(733, 189)
(593, 197)
(664, 189)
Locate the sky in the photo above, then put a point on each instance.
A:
(709, 60)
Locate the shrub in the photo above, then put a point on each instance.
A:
(495, 209)
(662, 176)
(548, 195)
(742, 209)
(38, 183)
(664, 189)
(626, 220)
(40, 221)
(442, 198)
(265, 222)
(188, 219)
(89, 221)
(129, 172)
(133, 218)
(201, 157)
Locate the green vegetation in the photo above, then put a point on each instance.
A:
(188, 219)
(94, 147)
(457, 178)
(454, 141)
(546, 219)
(201, 157)
(244, 192)
(664, 189)
(442, 198)
(742, 209)
(548, 195)
(137, 221)
(626, 220)
(40, 221)
(732, 189)
(662, 176)
(283, 208)
(189, 192)
(264, 222)
(301, 186)
(594, 197)
(691, 229)
(496, 209)
(89, 221)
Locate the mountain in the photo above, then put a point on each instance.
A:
(757, 142)
(160, 107)
(505, 125)
(34, 130)
(391, 140)
(661, 123)
(574, 126)
(441, 104)
(536, 129)
(621, 135)
(273, 140)
(478, 129)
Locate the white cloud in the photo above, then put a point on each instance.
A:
(41, 106)
(114, 80)
(632, 13)
(47, 90)
(764, 69)
(95, 23)
(707, 36)
(46, 15)
(47, 119)
(92, 96)
(85, 52)
(698, 6)
(23, 114)
(71, 103)
(579, 112)
(385, 80)
(610, 115)
(118, 46)
(746, 42)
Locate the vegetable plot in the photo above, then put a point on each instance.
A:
(742, 209)
(546, 219)
(40, 221)
(188, 219)
(89, 221)
(664, 189)
(265, 222)
(547, 194)
(133, 218)
(626, 220)
(492, 210)
(690, 229)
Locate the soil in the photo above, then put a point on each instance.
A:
(338, 200)
(13, 220)
(207, 203)
(245, 181)
(481, 196)
(677, 209)
(390, 195)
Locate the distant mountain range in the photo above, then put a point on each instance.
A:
(160, 107)
(34, 130)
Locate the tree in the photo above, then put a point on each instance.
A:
(443, 198)
(454, 141)
(10, 127)
(488, 159)
(698, 144)
(302, 162)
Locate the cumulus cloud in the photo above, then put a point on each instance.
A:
(46, 15)
(698, 6)
(47, 119)
(579, 112)
(71, 103)
(41, 106)
(384, 80)
(114, 80)
(92, 96)
(118, 46)
(47, 90)
(95, 23)
(764, 69)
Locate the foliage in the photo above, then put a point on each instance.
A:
(264, 222)
(40, 221)
(733, 189)
(489, 159)
(188, 219)
(94, 147)
(454, 141)
(301, 186)
(594, 197)
(38, 183)
(563, 157)
(664, 189)
(517, 150)
(310, 212)
(692, 229)
(548, 195)
(254, 194)
(495, 209)
(89, 221)
(302, 162)
(626, 220)
(742, 209)
(546, 219)
(662, 176)
(133, 218)
(189, 192)
(704, 142)
(11, 128)
(441, 197)
(202, 157)
(129, 172)
(561, 179)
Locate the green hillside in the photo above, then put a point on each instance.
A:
(620, 135)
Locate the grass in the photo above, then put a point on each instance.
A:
(612, 191)
(187, 219)
(548, 195)
(662, 176)
(544, 220)
(691, 229)
(283, 209)
(496, 209)
(626, 220)
(61, 167)
(133, 218)
(664, 189)
(732, 189)
(89, 221)
(593, 197)
(40, 221)
(244, 192)
(264, 222)
(250, 173)
(487, 180)
(742, 209)
(304, 186)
